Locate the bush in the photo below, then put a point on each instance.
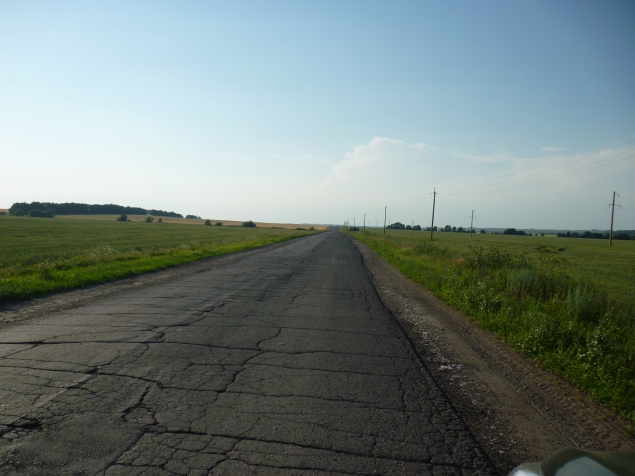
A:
(160, 220)
(354, 228)
(249, 224)
(51, 212)
(208, 222)
(122, 218)
(218, 223)
(149, 219)
(18, 212)
(38, 213)
(3, 213)
(194, 217)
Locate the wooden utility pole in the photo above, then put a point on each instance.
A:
(612, 205)
(413, 226)
(354, 224)
(434, 199)
(364, 222)
(385, 208)
(472, 224)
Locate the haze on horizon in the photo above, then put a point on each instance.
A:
(321, 111)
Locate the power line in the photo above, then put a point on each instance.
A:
(560, 166)
(552, 179)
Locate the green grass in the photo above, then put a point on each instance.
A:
(39, 256)
(568, 303)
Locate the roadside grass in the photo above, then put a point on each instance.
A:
(40, 256)
(568, 303)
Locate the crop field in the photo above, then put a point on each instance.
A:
(195, 221)
(42, 255)
(568, 303)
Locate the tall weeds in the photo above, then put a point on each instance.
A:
(569, 326)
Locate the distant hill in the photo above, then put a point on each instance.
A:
(85, 209)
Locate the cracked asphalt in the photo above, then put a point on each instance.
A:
(284, 362)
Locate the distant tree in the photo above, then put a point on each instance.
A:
(249, 224)
(568, 234)
(408, 227)
(160, 220)
(396, 226)
(447, 228)
(149, 219)
(354, 228)
(194, 217)
(123, 218)
(219, 223)
(575, 234)
(453, 228)
(18, 212)
(460, 229)
(435, 228)
(510, 231)
(208, 222)
(482, 232)
(417, 227)
(39, 213)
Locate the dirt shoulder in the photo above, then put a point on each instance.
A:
(517, 411)
(29, 308)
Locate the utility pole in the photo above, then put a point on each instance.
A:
(472, 224)
(354, 224)
(385, 208)
(413, 226)
(612, 205)
(364, 222)
(434, 199)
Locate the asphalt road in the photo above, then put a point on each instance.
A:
(283, 362)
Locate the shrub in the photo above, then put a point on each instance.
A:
(160, 220)
(520, 281)
(208, 222)
(18, 212)
(218, 223)
(482, 232)
(585, 304)
(312, 228)
(122, 218)
(3, 213)
(354, 228)
(51, 212)
(249, 224)
(149, 219)
(38, 213)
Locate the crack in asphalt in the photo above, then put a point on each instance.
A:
(291, 347)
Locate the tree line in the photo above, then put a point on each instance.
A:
(33, 209)
(596, 235)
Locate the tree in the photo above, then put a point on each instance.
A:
(447, 228)
(249, 224)
(18, 212)
(208, 222)
(460, 229)
(122, 218)
(482, 232)
(149, 219)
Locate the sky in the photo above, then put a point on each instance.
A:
(323, 111)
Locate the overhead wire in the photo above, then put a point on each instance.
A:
(558, 166)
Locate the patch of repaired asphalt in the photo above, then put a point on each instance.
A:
(282, 362)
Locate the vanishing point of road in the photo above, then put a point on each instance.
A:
(283, 362)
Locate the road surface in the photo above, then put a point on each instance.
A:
(282, 362)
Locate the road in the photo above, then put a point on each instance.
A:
(282, 362)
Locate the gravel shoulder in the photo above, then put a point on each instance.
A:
(517, 411)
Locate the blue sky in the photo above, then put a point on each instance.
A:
(322, 111)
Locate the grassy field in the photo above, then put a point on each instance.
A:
(569, 303)
(42, 255)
